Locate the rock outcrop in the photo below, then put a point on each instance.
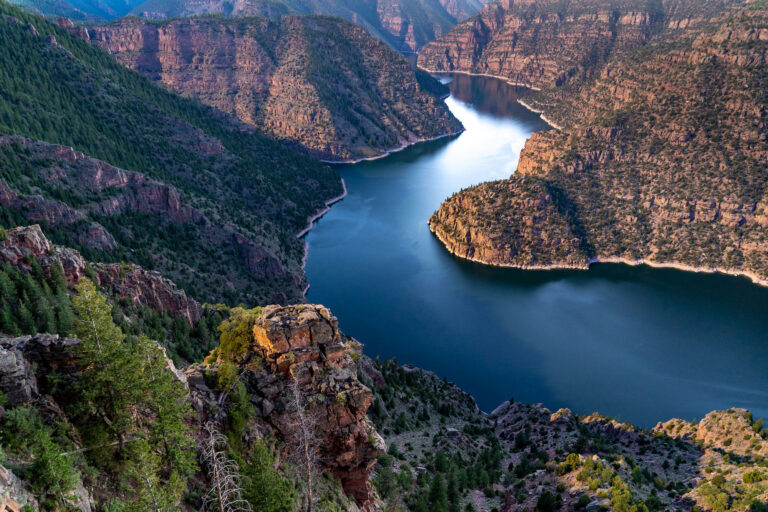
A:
(26, 244)
(653, 165)
(302, 347)
(318, 83)
(14, 494)
(121, 199)
(405, 25)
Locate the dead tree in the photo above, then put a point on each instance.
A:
(226, 493)
(303, 429)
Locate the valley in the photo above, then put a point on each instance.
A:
(233, 233)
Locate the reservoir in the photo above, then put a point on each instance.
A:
(640, 344)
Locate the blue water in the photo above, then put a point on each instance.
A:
(640, 344)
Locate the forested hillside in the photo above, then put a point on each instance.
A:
(229, 198)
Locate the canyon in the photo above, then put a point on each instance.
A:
(315, 83)
(643, 170)
(147, 175)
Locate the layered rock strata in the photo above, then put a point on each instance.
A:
(318, 83)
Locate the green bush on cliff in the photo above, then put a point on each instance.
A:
(52, 471)
(237, 333)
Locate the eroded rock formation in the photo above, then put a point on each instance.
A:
(302, 346)
(660, 161)
(405, 25)
(320, 83)
(28, 243)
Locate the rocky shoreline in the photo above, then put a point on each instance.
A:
(541, 115)
(487, 75)
(754, 278)
(311, 220)
(397, 149)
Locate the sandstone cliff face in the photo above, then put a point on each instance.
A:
(303, 345)
(539, 44)
(659, 162)
(406, 25)
(318, 83)
(550, 43)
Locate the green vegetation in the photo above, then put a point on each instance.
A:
(117, 381)
(33, 302)
(73, 93)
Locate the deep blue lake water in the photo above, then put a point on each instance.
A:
(640, 344)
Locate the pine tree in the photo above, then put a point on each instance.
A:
(108, 381)
(26, 319)
(7, 324)
(150, 494)
(65, 317)
(166, 401)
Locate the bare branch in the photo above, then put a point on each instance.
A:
(226, 493)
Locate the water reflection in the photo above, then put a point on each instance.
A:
(638, 343)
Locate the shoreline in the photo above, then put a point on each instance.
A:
(311, 224)
(397, 149)
(311, 220)
(467, 73)
(754, 278)
(541, 115)
(508, 82)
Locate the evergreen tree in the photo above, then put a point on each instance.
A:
(265, 489)
(438, 495)
(166, 400)
(108, 382)
(150, 494)
(7, 324)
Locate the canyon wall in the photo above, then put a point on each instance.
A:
(659, 162)
(317, 83)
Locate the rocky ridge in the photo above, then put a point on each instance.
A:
(542, 44)
(61, 176)
(320, 84)
(405, 25)
(521, 456)
(644, 171)
(295, 344)
(28, 243)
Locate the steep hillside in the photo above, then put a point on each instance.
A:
(406, 25)
(552, 42)
(446, 454)
(661, 161)
(211, 187)
(289, 402)
(318, 83)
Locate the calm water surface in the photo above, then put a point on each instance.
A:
(641, 344)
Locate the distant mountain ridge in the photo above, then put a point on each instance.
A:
(79, 10)
(406, 25)
(316, 82)
(545, 43)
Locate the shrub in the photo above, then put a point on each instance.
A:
(548, 502)
(753, 477)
